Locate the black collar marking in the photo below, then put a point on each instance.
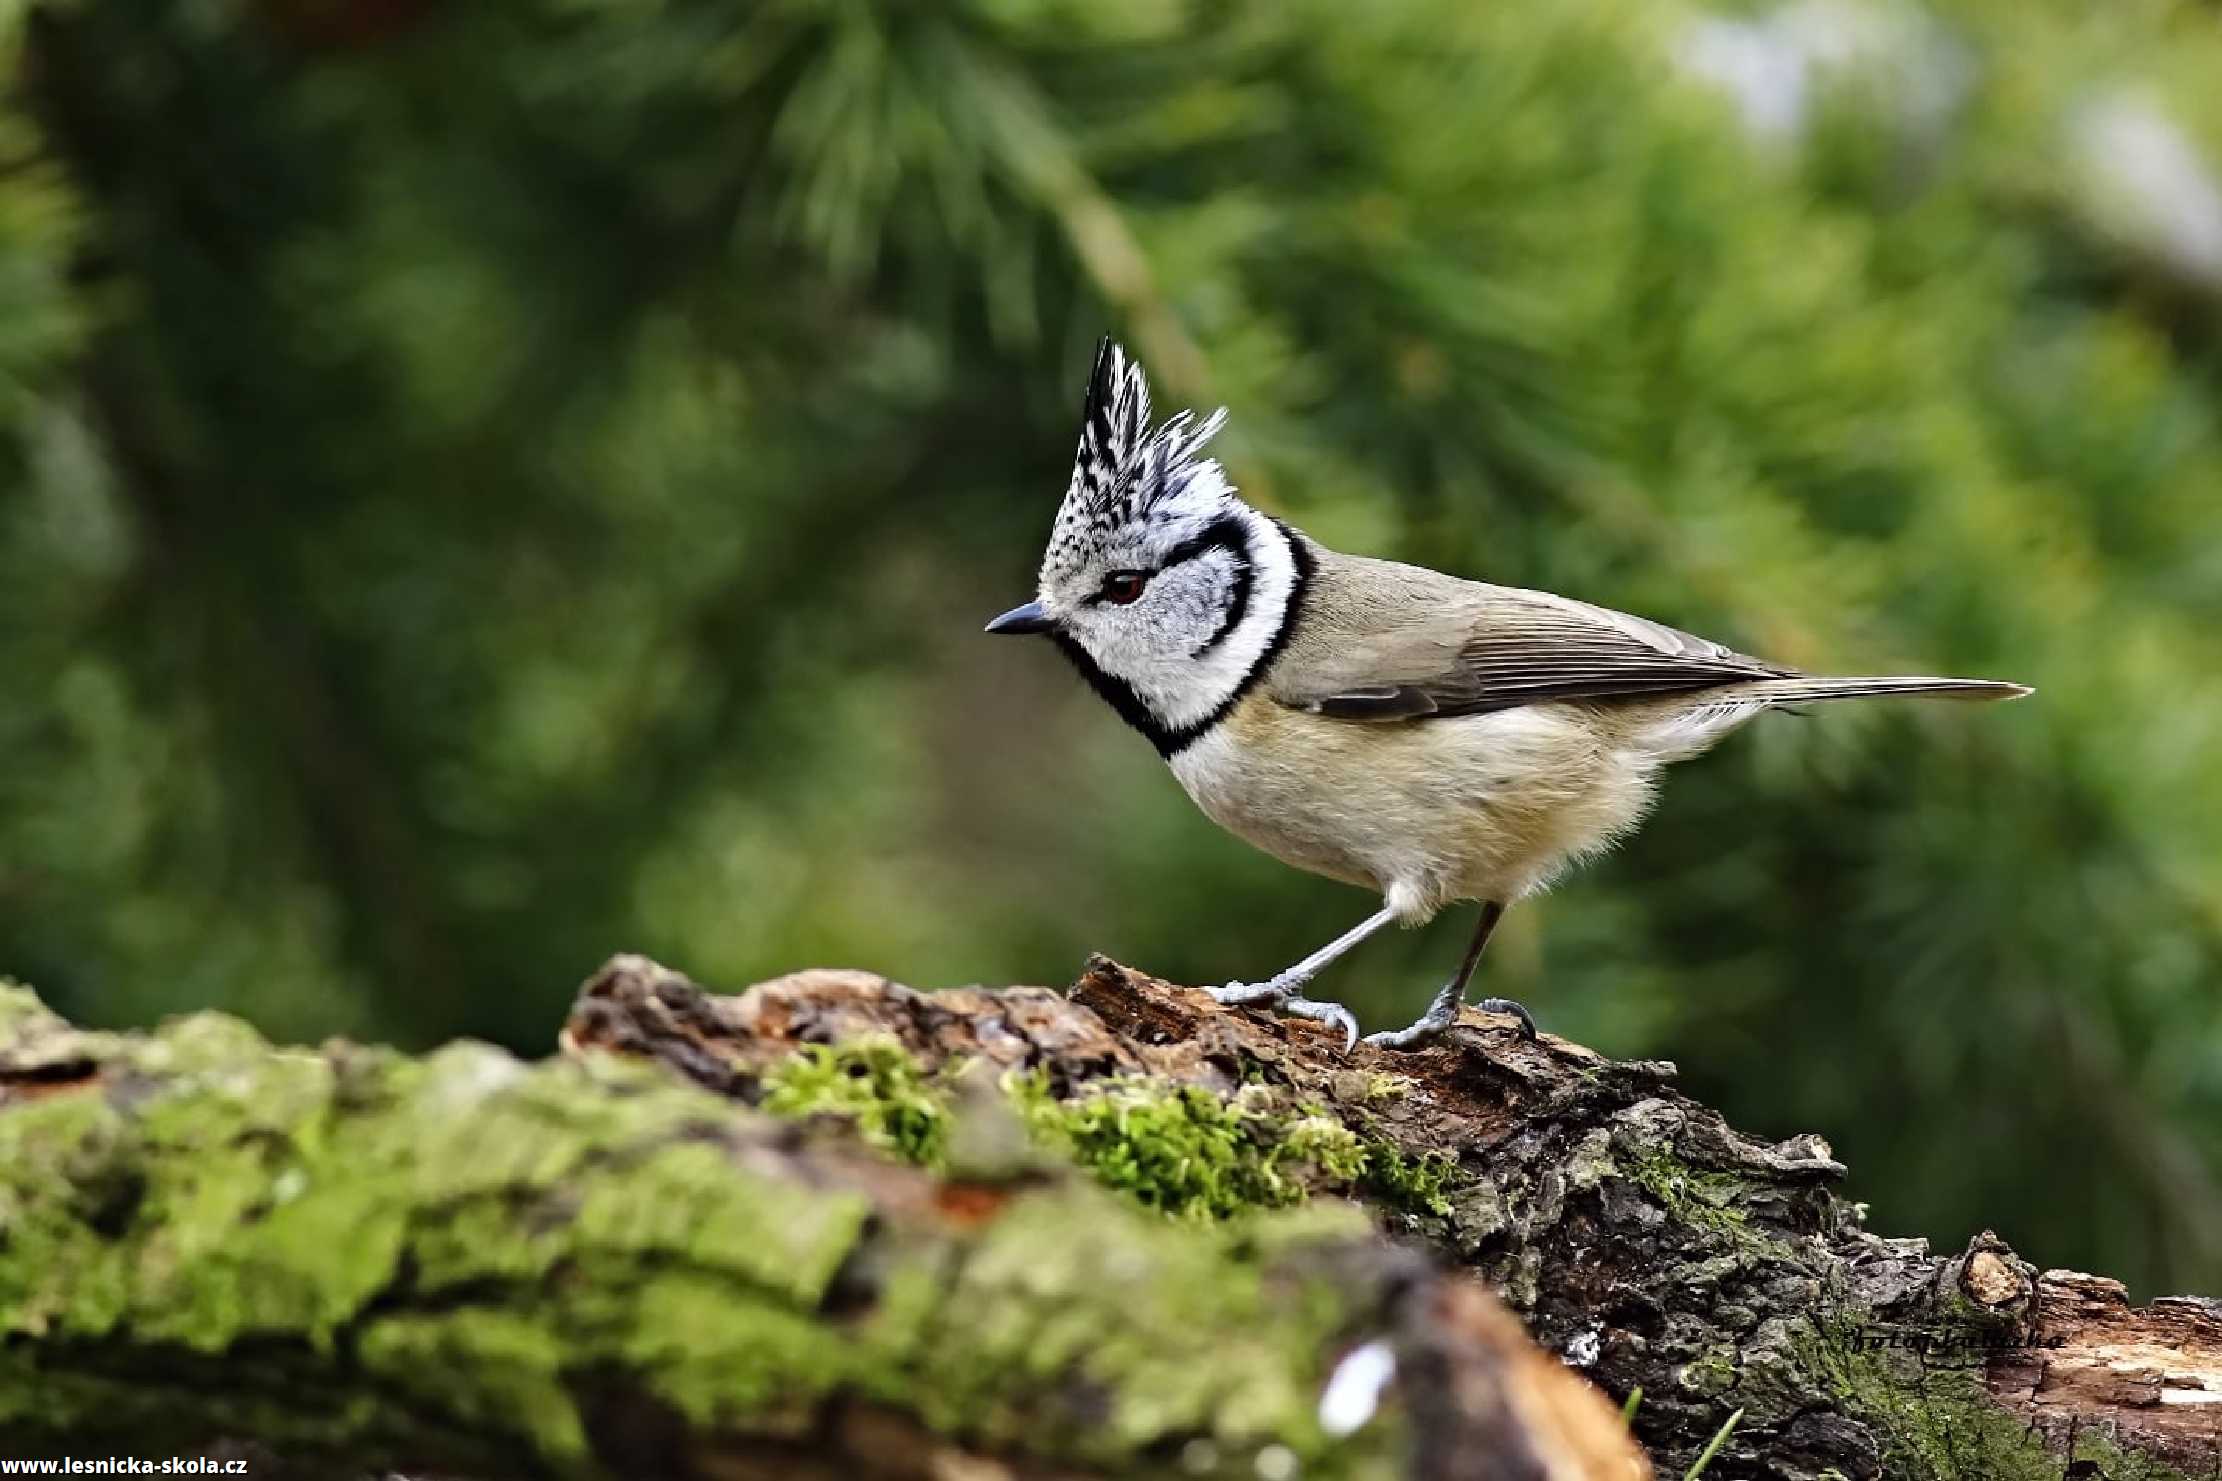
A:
(1117, 693)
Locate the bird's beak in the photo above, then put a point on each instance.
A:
(1027, 619)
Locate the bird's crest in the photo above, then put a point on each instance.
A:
(1124, 469)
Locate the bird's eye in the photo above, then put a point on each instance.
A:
(1123, 587)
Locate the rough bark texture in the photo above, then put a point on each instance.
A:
(343, 1260)
(1639, 1236)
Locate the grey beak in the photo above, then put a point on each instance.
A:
(1027, 619)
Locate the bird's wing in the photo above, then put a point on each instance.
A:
(1447, 647)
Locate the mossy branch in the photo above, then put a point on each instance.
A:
(1640, 1236)
(354, 1260)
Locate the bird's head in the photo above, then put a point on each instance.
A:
(1166, 590)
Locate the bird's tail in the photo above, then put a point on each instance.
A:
(1810, 690)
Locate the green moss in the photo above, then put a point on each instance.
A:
(365, 1247)
(1706, 1200)
(1316, 1138)
(1381, 1085)
(1710, 1375)
(1172, 1346)
(1415, 1184)
(240, 1197)
(18, 1005)
(873, 1084)
(1938, 1423)
(517, 1372)
(1181, 1150)
(34, 1038)
(1195, 1155)
(1178, 1149)
(687, 1203)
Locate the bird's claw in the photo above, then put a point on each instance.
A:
(1432, 1024)
(1334, 1015)
(1512, 1010)
(1284, 998)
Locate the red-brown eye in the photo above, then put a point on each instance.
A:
(1123, 587)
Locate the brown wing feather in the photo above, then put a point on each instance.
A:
(1382, 641)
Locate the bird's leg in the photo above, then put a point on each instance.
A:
(1443, 1012)
(1283, 991)
(1285, 983)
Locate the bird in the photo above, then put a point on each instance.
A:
(1432, 739)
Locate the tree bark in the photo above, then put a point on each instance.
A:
(346, 1261)
(1638, 1235)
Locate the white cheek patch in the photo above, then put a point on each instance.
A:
(1193, 599)
(1192, 663)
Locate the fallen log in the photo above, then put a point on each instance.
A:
(1640, 1237)
(346, 1261)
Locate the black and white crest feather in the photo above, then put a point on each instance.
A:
(1212, 586)
(1123, 468)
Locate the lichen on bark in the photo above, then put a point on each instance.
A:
(451, 1260)
(592, 1267)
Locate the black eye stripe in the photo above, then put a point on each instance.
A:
(1226, 534)
(1171, 740)
(1221, 534)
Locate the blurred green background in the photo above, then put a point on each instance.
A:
(489, 486)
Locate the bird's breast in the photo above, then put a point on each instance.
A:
(1480, 806)
(1285, 790)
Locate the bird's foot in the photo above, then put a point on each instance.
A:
(1511, 1010)
(1440, 1015)
(1245, 994)
(1334, 1015)
(1283, 997)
